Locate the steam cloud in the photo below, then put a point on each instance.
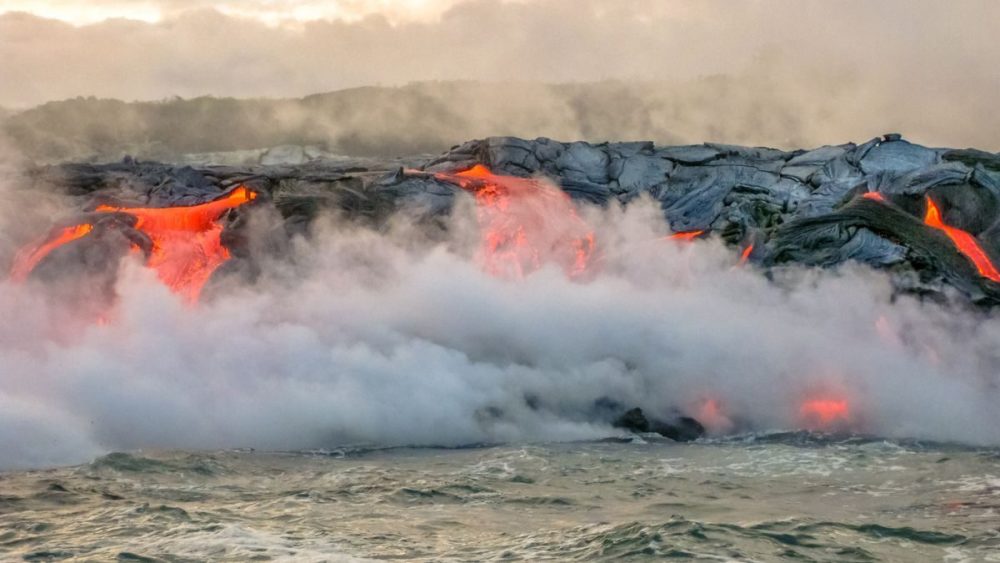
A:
(372, 338)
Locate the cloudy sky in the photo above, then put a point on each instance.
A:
(937, 60)
(274, 12)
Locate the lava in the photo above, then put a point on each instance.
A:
(875, 196)
(745, 255)
(822, 413)
(685, 236)
(186, 241)
(189, 218)
(525, 224)
(965, 242)
(29, 257)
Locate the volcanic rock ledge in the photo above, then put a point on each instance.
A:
(807, 206)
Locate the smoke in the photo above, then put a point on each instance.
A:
(23, 209)
(775, 73)
(365, 337)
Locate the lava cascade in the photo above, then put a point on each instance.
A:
(525, 224)
(186, 241)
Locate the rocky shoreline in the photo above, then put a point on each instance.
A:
(803, 207)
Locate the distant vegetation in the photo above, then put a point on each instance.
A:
(430, 117)
(376, 121)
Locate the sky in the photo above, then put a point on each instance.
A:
(151, 49)
(932, 63)
(273, 12)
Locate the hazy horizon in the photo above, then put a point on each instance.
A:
(848, 69)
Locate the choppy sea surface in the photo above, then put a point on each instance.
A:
(773, 497)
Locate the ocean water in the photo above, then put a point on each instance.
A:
(791, 496)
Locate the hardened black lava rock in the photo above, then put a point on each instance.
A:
(681, 429)
(796, 207)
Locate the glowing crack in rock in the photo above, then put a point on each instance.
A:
(685, 235)
(965, 242)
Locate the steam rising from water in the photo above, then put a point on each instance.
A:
(371, 338)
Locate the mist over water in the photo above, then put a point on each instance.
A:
(361, 337)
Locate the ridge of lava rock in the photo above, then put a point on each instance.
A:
(797, 207)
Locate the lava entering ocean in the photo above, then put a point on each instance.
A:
(822, 414)
(185, 241)
(526, 224)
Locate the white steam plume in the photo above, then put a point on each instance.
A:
(367, 339)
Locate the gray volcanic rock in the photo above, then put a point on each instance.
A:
(895, 156)
(798, 206)
(681, 429)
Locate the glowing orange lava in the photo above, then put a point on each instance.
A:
(187, 246)
(824, 412)
(28, 258)
(965, 242)
(685, 236)
(525, 224)
(874, 196)
(745, 255)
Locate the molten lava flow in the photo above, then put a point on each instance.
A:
(525, 224)
(685, 236)
(745, 255)
(30, 256)
(187, 245)
(192, 218)
(965, 242)
(822, 413)
(874, 196)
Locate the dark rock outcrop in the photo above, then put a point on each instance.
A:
(682, 429)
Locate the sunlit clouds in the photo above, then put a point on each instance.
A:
(271, 12)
